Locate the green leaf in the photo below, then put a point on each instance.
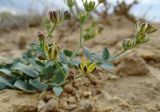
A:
(63, 58)
(24, 86)
(106, 54)
(5, 82)
(68, 53)
(57, 91)
(87, 53)
(6, 72)
(107, 66)
(25, 69)
(38, 84)
(2, 86)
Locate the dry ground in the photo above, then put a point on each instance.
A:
(133, 87)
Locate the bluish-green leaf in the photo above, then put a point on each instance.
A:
(107, 66)
(19, 84)
(87, 53)
(5, 82)
(68, 53)
(6, 72)
(106, 54)
(57, 91)
(2, 86)
(25, 69)
(63, 58)
(38, 84)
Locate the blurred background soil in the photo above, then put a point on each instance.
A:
(133, 86)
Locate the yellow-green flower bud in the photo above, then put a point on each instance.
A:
(87, 67)
(67, 15)
(53, 52)
(141, 38)
(70, 3)
(128, 44)
(146, 28)
(54, 16)
(101, 1)
(89, 6)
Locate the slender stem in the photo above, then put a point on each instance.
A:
(117, 55)
(50, 33)
(57, 64)
(66, 81)
(81, 34)
(80, 42)
(120, 53)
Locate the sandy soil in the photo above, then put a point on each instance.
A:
(133, 87)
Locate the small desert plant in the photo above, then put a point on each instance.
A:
(46, 67)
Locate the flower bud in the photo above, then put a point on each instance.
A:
(41, 57)
(89, 6)
(101, 1)
(141, 38)
(54, 16)
(87, 67)
(67, 15)
(100, 28)
(41, 36)
(53, 52)
(128, 44)
(146, 28)
(70, 3)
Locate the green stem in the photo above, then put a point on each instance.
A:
(81, 34)
(66, 81)
(117, 55)
(57, 64)
(50, 33)
(80, 42)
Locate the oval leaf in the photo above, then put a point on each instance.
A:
(57, 91)
(6, 72)
(19, 84)
(38, 84)
(5, 82)
(25, 69)
(68, 53)
(106, 54)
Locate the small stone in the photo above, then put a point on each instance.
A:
(71, 100)
(52, 106)
(85, 106)
(123, 104)
(87, 93)
(158, 106)
(69, 89)
(132, 65)
(41, 105)
(71, 107)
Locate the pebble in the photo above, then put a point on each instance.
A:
(69, 89)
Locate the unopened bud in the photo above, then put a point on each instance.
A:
(70, 3)
(67, 15)
(54, 16)
(101, 1)
(41, 36)
(89, 6)
(141, 38)
(41, 57)
(53, 52)
(146, 28)
(128, 44)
